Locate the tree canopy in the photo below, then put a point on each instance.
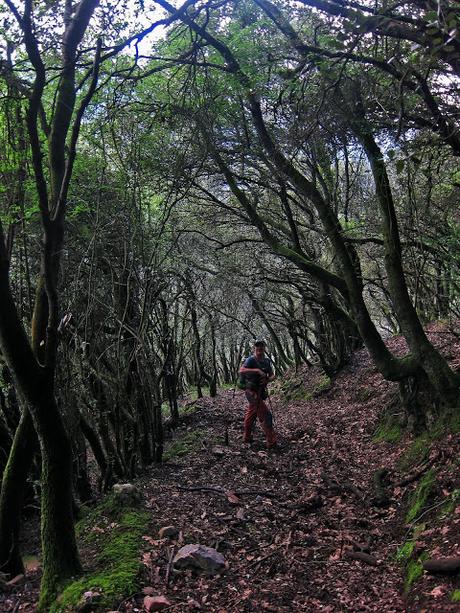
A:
(178, 179)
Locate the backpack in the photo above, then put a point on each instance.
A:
(241, 382)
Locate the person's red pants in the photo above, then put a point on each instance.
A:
(258, 408)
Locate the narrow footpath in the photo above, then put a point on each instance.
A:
(302, 529)
(285, 521)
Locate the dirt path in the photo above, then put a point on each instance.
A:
(289, 518)
(286, 523)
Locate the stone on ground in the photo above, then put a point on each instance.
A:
(199, 557)
(126, 493)
(156, 603)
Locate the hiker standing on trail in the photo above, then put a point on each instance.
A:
(258, 372)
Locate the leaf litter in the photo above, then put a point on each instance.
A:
(299, 530)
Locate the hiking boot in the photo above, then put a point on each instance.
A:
(276, 448)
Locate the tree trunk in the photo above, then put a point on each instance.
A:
(96, 447)
(12, 495)
(444, 381)
(213, 379)
(59, 548)
(82, 481)
(5, 445)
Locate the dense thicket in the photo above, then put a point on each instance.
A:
(256, 168)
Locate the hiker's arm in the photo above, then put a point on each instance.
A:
(244, 370)
(270, 373)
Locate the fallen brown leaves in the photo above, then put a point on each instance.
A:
(299, 530)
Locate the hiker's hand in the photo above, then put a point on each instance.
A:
(261, 373)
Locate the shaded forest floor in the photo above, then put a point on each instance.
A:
(291, 523)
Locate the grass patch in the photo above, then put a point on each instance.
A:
(193, 393)
(389, 430)
(448, 422)
(322, 386)
(190, 441)
(300, 394)
(298, 390)
(450, 505)
(420, 497)
(456, 596)
(415, 454)
(189, 409)
(413, 566)
(115, 534)
(414, 571)
(186, 409)
(226, 386)
(404, 553)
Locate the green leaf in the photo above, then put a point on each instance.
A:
(431, 16)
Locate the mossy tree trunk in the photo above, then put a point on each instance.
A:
(60, 556)
(433, 367)
(169, 365)
(32, 363)
(59, 549)
(12, 495)
(214, 376)
(201, 376)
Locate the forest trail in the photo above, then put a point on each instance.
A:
(285, 542)
(290, 523)
(284, 539)
(286, 522)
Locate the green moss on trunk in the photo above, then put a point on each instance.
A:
(59, 549)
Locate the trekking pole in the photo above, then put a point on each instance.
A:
(226, 441)
(234, 385)
(271, 406)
